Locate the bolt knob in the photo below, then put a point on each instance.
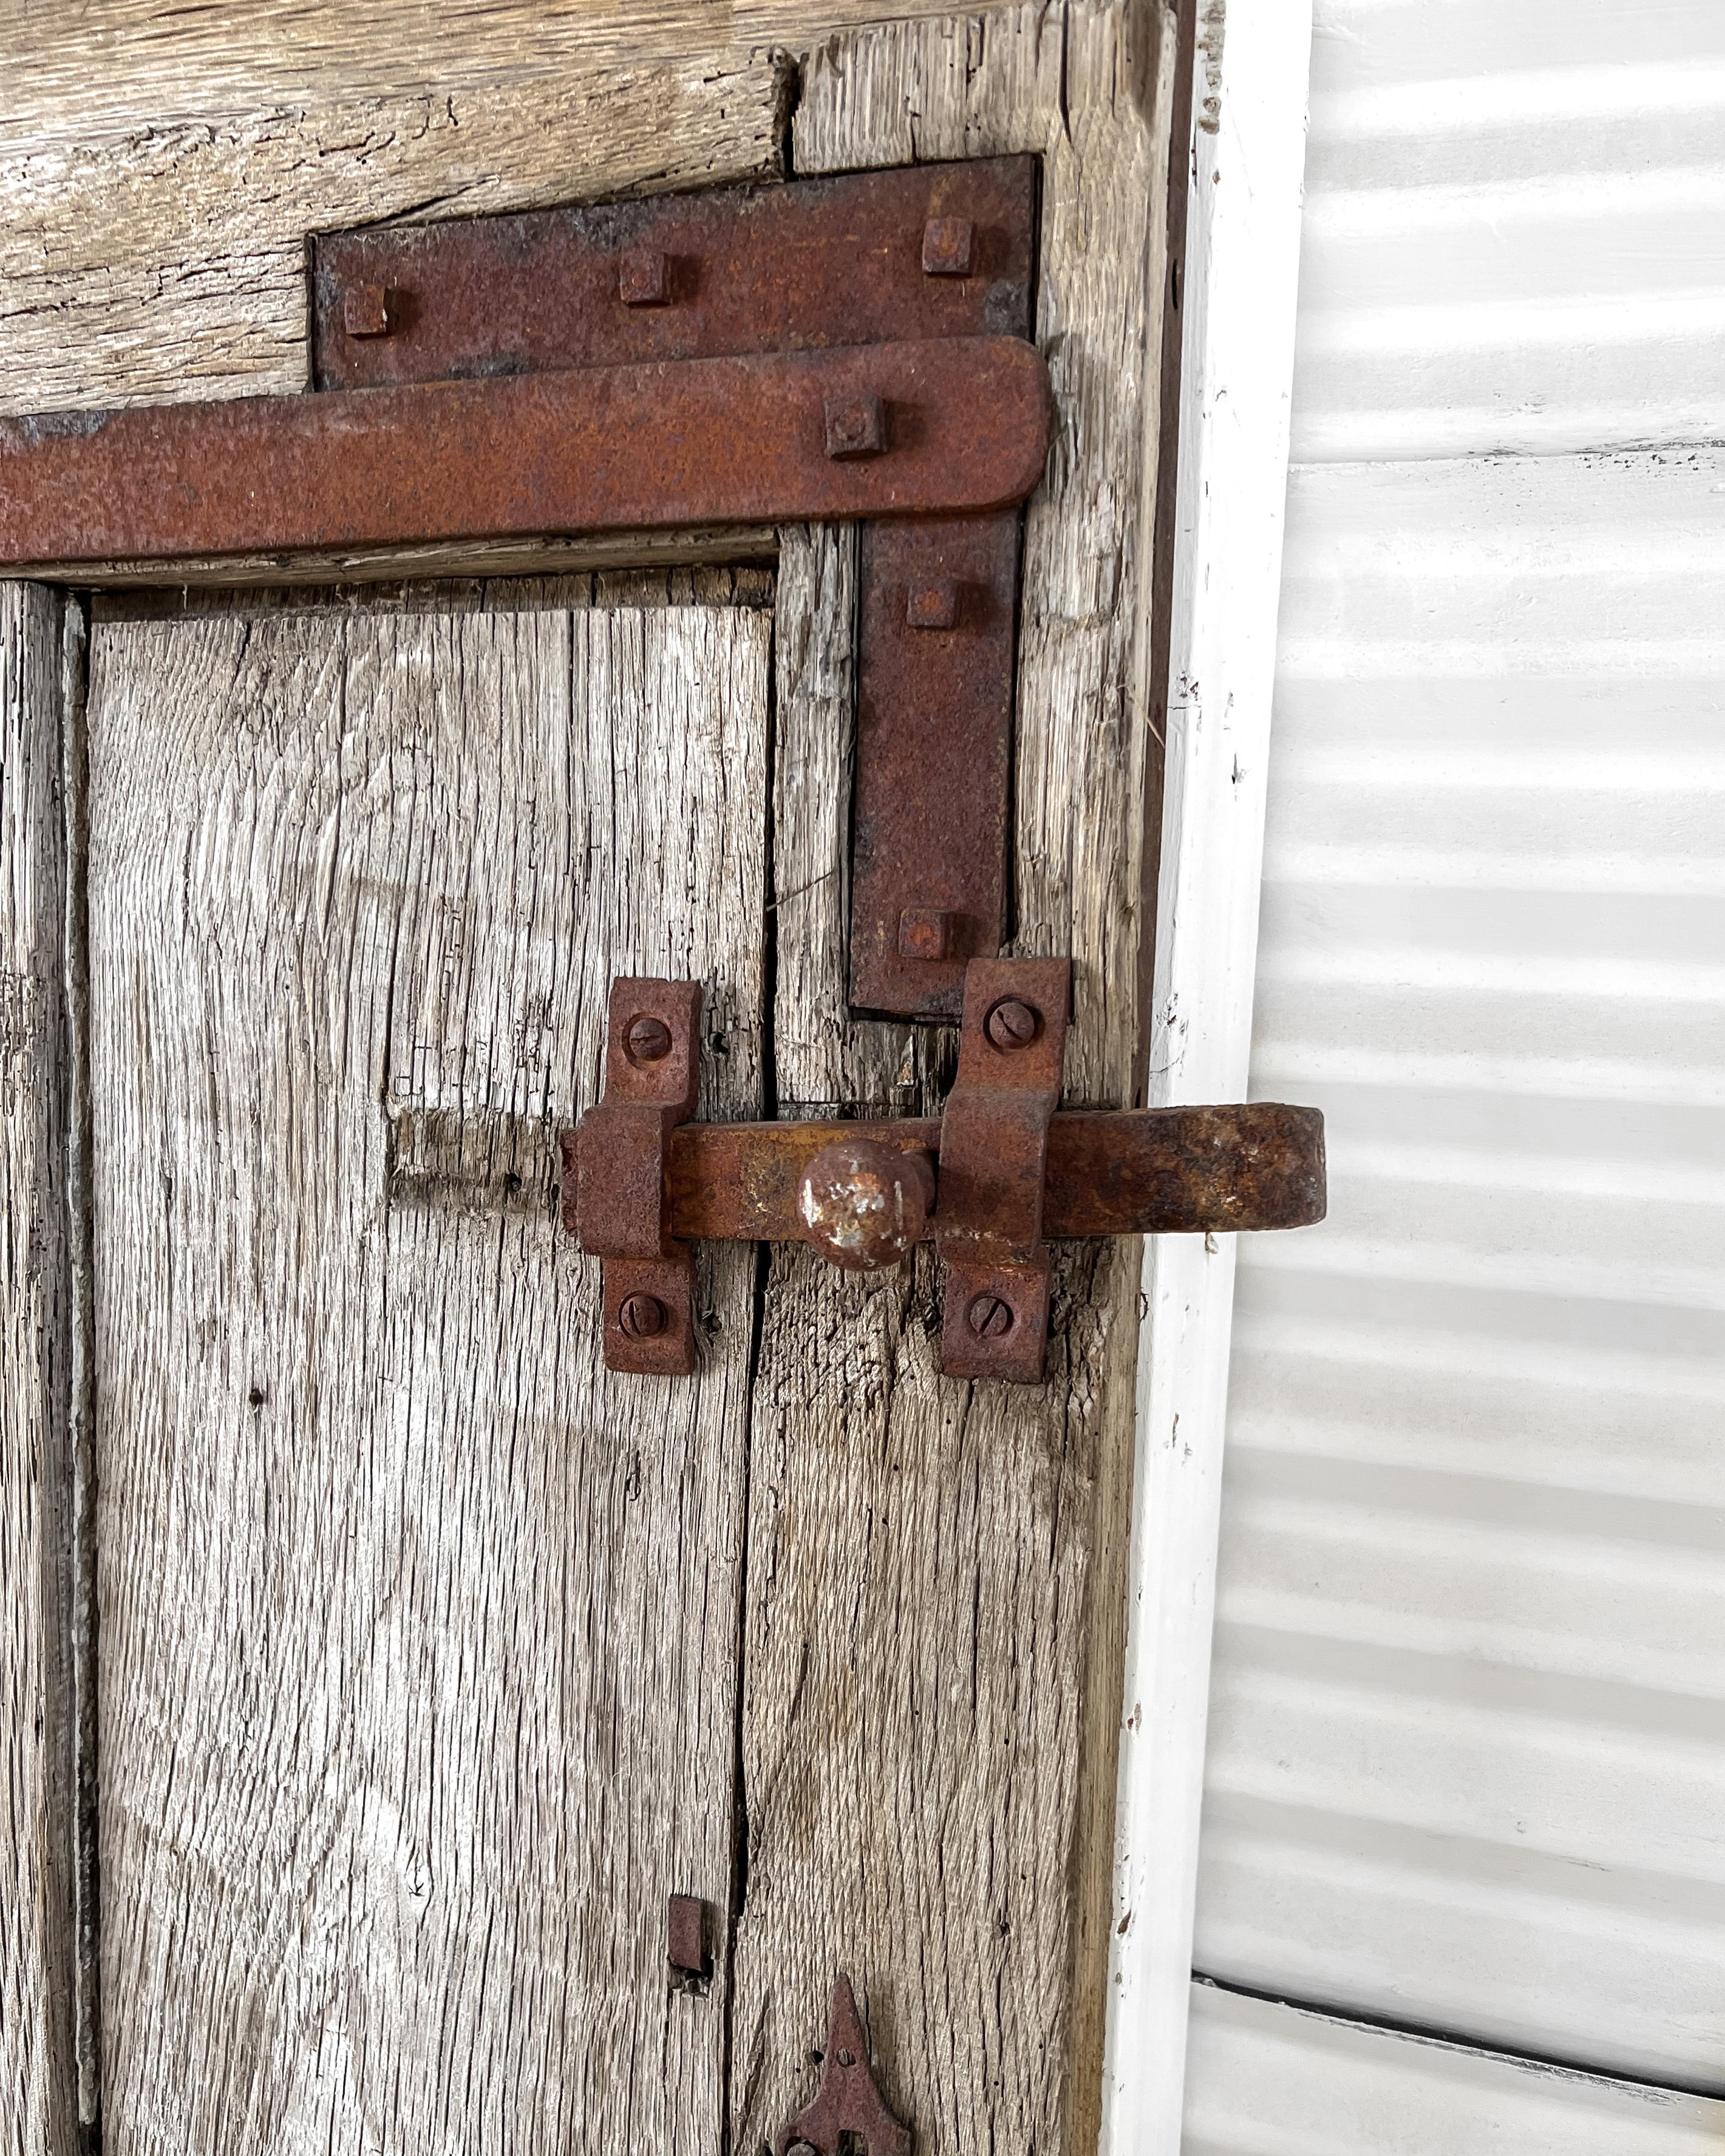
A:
(863, 1204)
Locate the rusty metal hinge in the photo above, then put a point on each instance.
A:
(990, 1180)
(848, 348)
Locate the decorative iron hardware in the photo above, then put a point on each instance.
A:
(849, 2112)
(991, 1181)
(824, 350)
(959, 423)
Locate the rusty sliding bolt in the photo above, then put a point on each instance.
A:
(992, 1181)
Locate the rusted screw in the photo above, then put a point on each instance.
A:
(1011, 1024)
(642, 1317)
(989, 1317)
(647, 1039)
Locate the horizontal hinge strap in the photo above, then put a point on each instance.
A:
(948, 426)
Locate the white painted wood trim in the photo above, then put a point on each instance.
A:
(1241, 276)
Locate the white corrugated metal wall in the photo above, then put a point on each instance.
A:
(1467, 1743)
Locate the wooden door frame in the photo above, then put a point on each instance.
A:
(1241, 260)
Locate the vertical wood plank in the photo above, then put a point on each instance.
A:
(38, 2093)
(935, 1597)
(419, 1629)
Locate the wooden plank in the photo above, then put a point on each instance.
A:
(37, 2094)
(110, 65)
(935, 1597)
(492, 558)
(419, 1648)
(168, 261)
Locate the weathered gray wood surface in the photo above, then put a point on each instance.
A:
(404, 1712)
(936, 1604)
(161, 167)
(419, 1632)
(37, 2097)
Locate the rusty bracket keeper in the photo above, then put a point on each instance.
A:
(652, 1075)
(1011, 1056)
(989, 1181)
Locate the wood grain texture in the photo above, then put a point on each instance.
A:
(936, 1601)
(419, 1649)
(101, 66)
(444, 562)
(168, 262)
(37, 2094)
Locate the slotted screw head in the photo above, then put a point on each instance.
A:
(642, 1317)
(989, 1317)
(647, 1039)
(1011, 1024)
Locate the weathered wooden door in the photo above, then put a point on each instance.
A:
(376, 1664)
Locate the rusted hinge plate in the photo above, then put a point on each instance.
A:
(933, 252)
(829, 350)
(805, 267)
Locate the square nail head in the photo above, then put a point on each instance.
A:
(948, 247)
(856, 426)
(924, 933)
(643, 277)
(932, 603)
(365, 310)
